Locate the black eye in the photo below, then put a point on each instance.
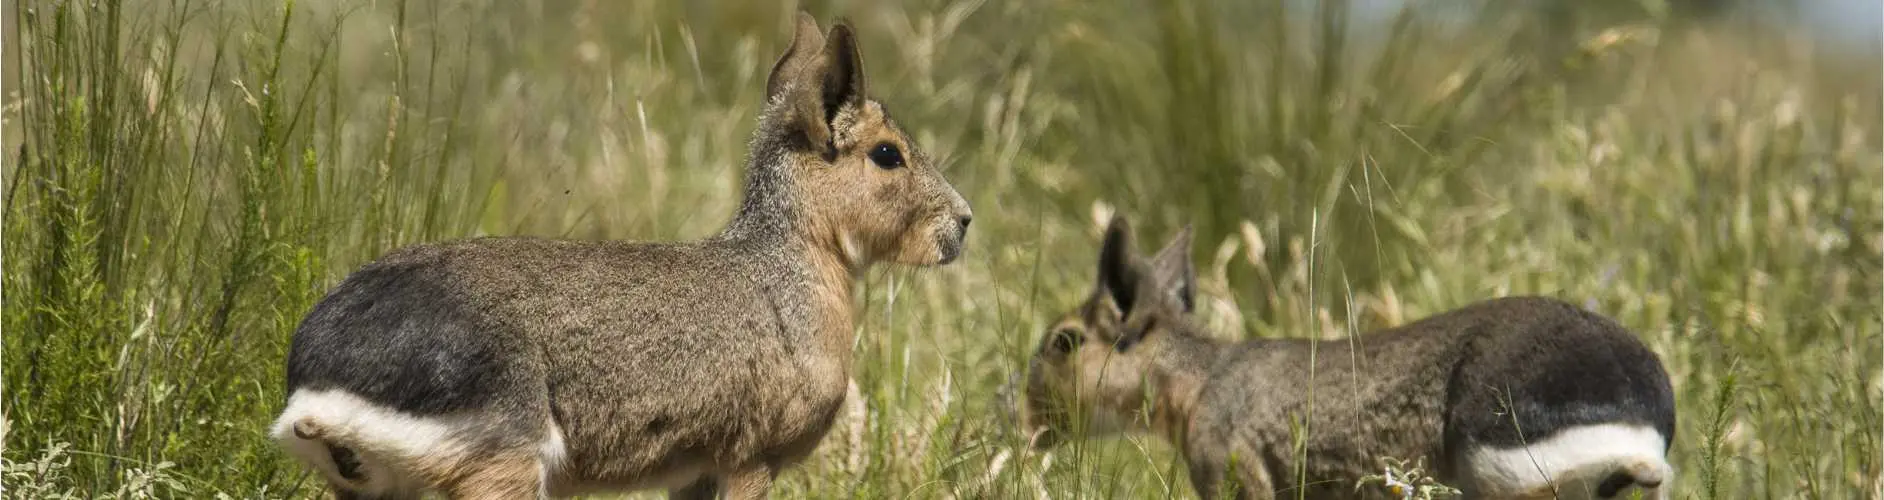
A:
(1066, 339)
(886, 155)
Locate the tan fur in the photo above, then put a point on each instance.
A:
(496, 478)
(749, 483)
(703, 368)
(844, 204)
(1097, 390)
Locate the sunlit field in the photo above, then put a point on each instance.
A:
(183, 179)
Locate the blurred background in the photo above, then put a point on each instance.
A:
(184, 178)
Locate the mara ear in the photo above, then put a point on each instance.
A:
(807, 39)
(1117, 275)
(843, 71)
(1175, 274)
(817, 76)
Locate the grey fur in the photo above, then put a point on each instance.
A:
(1501, 372)
(723, 360)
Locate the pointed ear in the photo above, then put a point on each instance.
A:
(1173, 271)
(843, 72)
(807, 40)
(817, 76)
(1117, 276)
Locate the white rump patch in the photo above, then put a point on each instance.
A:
(379, 436)
(551, 454)
(1574, 462)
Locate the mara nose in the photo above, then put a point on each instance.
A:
(965, 220)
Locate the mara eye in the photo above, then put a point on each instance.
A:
(886, 155)
(1067, 339)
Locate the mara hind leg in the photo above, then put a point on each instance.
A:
(1208, 482)
(705, 488)
(1212, 482)
(750, 482)
(514, 474)
(343, 494)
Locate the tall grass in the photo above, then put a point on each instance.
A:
(187, 177)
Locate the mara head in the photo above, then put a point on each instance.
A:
(860, 186)
(1090, 374)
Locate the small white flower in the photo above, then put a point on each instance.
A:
(1396, 486)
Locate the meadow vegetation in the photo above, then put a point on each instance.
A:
(184, 178)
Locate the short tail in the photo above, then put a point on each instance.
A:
(332, 452)
(344, 461)
(1648, 474)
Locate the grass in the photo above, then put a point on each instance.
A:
(185, 178)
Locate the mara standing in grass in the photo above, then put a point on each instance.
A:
(1521, 397)
(517, 367)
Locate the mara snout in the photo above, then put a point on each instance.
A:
(527, 367)
(1520, 397)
